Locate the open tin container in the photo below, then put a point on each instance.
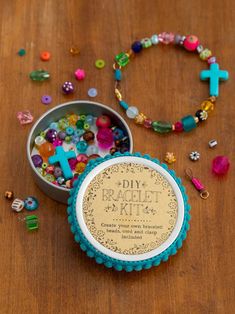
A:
(59, 193)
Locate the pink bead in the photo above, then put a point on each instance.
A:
(103, 122)
(178, 126)
(25, 117)
(72, 163)
(148, 123)
(105, 138)
(50, 169)
(57, 142)
(220, 165)
(198, 185)
(82, 158)
(166, 38)
(79, 74)
(211, 60)
(191, 42)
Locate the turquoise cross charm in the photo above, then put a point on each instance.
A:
(214, 75)
(62, 158)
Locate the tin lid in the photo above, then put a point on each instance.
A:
(128, 211)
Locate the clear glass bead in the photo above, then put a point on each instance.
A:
(132, 112)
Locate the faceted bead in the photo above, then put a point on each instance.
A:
(72, 119)
(205, 54)
(51, 135)
(72, 162)
(188, 123)
(220, 165)
(80, 124)
(82, 146)
(37, 160)
(82, 158)
(57, 172)
(61, 135)
(136, 46)
(140, 118)
(89, 119)
(80, 74)
(60, 180)
(166, 38)
(89, 136)
(154, 39)
(178, 126)
(105, 138)
(122, 59)
(39, 75)
(46, 150)
(132, 112)
(211, 60)
(207, 106)
(80, 167)
(68, 87)
(162, 126)
(148, 123)
(118, 133)
(146, 42)
(191, 42)
(25, 117)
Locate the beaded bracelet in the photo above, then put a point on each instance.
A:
(190, 43)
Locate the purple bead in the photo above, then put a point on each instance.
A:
(136, 46)
(62, 135)
(57, 172)
(37, 160)
(68, 87)
(46, 99)
(51, 135)
(72, 163)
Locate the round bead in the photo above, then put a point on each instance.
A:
(103, 121)
(220, 165)
(67, 139)
(63, 124)
(92, 92)
(72, 119)
(75, 139)
(51, 135)
(45, 55)
(201, 115)
(178, 126)
(205, 54)
(94, 156)
(50, 169)
(46, 150)
(113, 150)
(82, 146)
(92, 149)
(162, 126)
(49, 177)
(178, 39)
(57, 142)
(99, 63)
(89, 119)
(166, 38)
(132, 112)
(74, 51)
(62, 135)
(39, 140)
(44, 165)
(69, 130)
(148, 123)
(37, 160)
(54, 125)
(80, 124)
(80, 167)
(80, 74)
(207, 106)
(57, 172)
(118, 134)
(21, 52)
(211, 60)
(82, 158)
(31, 203)
(46, 99)
(136, 46)
(154, 39)
(89, 136)
(72, 163)
(60, 180)
(188, 123)
(105, 138)
(68, 87)
(191, 42)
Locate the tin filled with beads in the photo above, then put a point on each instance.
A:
(70, 135)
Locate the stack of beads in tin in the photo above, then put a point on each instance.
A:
(78, 139)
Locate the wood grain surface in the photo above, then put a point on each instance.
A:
(45, 271)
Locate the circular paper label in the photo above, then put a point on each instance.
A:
(130, 208)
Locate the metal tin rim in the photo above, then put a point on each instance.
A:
(56, 108)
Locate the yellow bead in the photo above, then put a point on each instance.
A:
(118, 94)
(80, 167)
(73, 118)
(140, 118)
(205, 54)
(207, 105)
(170, 158)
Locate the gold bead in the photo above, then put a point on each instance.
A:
(118, 94)
(74, 51)
(140, 118)
(212, 99)
(170, 158)
(196, 119)
(207, 105)
(9, 195)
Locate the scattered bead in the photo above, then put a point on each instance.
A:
(45, 55)
(31, 203)
(194, 156)
(9, 195)
(68, 88)
(80, 74)
(17, 205)
(204, 194)
(92, 92)
(25, 117)
(100, 64)
(170, 158)
(74, 51)
(31, 222)
(46, 99)
(21, 52)
(39, 75)
(220, 165)
(212, 143)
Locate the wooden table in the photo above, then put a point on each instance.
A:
(45, 271)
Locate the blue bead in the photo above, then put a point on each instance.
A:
(123, 104)
(54, 126)
(118, 134)
(89, 119)
(69, 130)
(82, 146)
(188, 123)
(136, 46)
(31, 203)
(118, 75)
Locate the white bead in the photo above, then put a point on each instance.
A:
(132, 112)
(212, 143)
(91, 150)
(39, 140)
(17, 205)
(154, 39)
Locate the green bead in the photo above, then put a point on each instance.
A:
(39, 75)
(31, 222)
(146, 42)
(67, 139)
(122, 59)
(63, 124)
(80, 124)
(21, 52)
(162, 126)
(189, 123)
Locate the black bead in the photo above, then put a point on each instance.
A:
(198, 115)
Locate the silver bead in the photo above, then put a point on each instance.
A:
(194, 156)
(177, 39)
(200, 49)
(132, 112)
(212, 143)
(182, 40)
(154, 39)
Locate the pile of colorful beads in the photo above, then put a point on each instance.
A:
(61, 152)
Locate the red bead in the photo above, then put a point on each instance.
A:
(166, 38)
(191, 42)
(220, 165)
(103, 122)
(148, 123)
(82, 158)
(178, 126)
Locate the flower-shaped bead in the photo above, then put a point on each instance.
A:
(194, 156)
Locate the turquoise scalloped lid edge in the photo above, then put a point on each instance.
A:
(109, 262)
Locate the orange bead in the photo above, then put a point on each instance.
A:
(45, 55)
(46, 150)
(80, 167)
